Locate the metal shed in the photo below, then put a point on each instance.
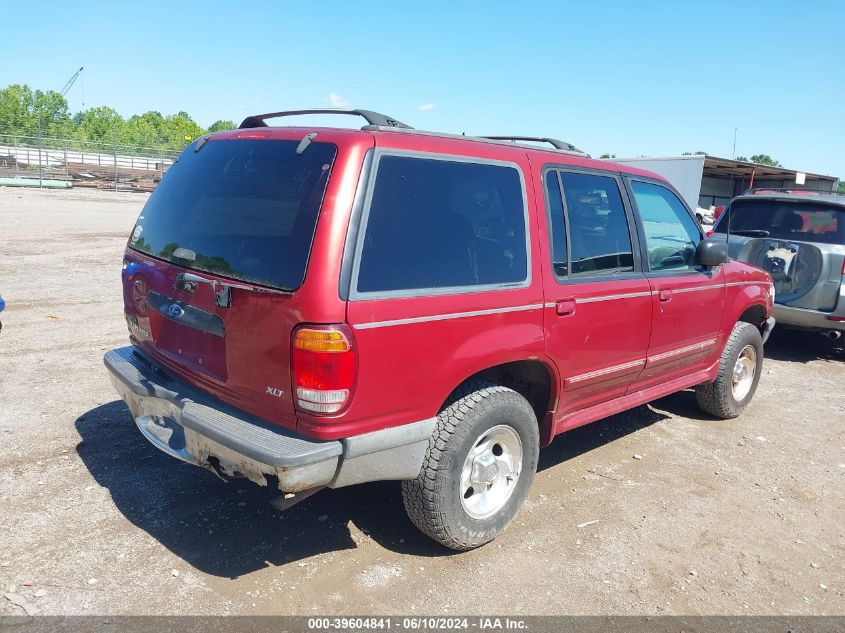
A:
(705, 180)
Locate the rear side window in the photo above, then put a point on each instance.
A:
(244, 209)
(557, 226)
(599, 235)
(786, 220)
(438, 224)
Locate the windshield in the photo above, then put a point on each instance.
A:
(786, 220)
(244, 209)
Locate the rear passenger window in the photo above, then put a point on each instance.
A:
(600, 240)
(560, 256)
(439, 224)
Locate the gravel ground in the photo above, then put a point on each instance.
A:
(657, 510)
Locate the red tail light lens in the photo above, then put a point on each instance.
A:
(323, 360)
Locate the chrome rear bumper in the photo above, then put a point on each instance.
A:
(196, 428)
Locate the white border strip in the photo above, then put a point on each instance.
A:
(606, 370)
(697, 347)
(551, 304)
(629, 295)
(677, 291)
(444, 317)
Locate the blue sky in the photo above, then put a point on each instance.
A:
(632, 78)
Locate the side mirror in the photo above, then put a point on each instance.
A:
(711, 252)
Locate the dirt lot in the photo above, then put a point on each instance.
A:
(737, 517)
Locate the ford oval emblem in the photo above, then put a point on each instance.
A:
(175, 310)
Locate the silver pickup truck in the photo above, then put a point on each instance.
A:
(798, 237)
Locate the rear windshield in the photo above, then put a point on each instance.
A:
(786, 220)
(244, 209)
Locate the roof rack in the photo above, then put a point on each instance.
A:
(377, 121)
(793, 190)
(556, 143)
(372, 118)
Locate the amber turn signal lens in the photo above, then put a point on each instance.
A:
(320, 341)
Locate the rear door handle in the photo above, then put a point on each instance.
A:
(665, 295)
(565, 307)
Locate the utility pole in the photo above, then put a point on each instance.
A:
(733, 155)
(40, 147)
(114, 147)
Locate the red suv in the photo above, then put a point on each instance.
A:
(313, 307)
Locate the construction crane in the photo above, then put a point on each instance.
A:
(71, 81)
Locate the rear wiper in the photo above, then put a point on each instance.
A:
(222, 290)
(751, 233)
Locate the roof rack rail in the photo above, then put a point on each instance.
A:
(372, 118)
(793, 190)
(556, 143)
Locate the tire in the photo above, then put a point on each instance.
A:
(480, 414)
(722, 398)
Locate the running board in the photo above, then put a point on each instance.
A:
(635, 399)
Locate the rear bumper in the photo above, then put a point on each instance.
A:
(190, 425)
(810, 319)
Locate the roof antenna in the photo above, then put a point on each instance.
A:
(730, 202)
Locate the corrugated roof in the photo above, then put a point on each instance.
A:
(727, 167)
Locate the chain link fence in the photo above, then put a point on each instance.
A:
(36, 161)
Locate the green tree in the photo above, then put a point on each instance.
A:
(51, 113)
(16, 115)
(765, 159)
(179, 130)
(222, 124)
(101, 125)
(145, 130)
(742, 158)
(841, 188)
(698, 153)
(29, 113)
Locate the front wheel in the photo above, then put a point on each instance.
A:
(478, 467)
(739, 372)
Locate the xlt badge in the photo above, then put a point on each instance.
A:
(275, 391)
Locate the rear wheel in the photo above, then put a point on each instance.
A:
(478, 468)
(739, 373)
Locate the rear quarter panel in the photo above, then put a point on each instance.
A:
(414, 351)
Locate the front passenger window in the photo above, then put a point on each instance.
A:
(671, 234)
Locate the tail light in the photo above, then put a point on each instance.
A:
(324, 366)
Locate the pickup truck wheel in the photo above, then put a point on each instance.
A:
(739, 373)
(478, 467)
